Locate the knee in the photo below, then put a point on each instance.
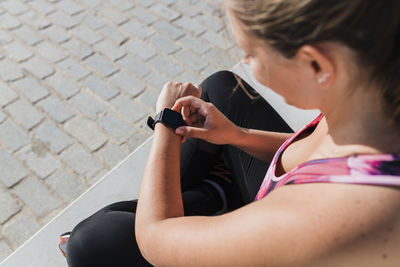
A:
(219, 85)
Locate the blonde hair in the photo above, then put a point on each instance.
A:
(370, 28)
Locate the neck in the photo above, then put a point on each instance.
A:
(358, 125)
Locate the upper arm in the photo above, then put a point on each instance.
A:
(293, 224)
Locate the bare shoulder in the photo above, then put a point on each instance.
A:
(354, 225)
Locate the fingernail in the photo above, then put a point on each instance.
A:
(179, 131)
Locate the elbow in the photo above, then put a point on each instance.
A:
(146, 238)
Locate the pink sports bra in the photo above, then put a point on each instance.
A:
(369, 169)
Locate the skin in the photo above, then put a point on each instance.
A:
(295, 225)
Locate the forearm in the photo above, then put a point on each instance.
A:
(160, 192)
(260, 144)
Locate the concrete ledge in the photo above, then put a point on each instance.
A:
(122, 183)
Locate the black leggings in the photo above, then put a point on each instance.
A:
(214, 179)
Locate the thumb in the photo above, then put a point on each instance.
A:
(188, 131)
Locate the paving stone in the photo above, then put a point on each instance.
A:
(56, 34)
(149, 98)
(164, 44)
(139, 49)
(196, 44)
(210, 69)
(129, 107)
(31, 89)
(188, 76)
(168, 29)
(136, 140)
(5, 37)
(42, 6)
(50, 52)
(166, 66)
(78, 48)
(209, 8)
(9, 71)
(111, 154)
(2, 116)
(156, 80)
(66, 184)
(88, 105)
(35, 20)
(65, 87)
(86, 34)
(7, 94)
(93, 22)
(37, 158)
(5, 251)
(92, 3)
(101, 65)
(25, 113)
(122, 4)
(113, 33)
(223, 58)
(191, 60)
(14, 7)
(81, 161)
(190, 25)
(147, 3)
(128, 83)
(142, 14)
(57, 109)
(134, 66)
(211, 22)
(12, 135)
(20, 228)
(168, 2)
(165, 12)
(70, 7)
(9, 22)
(116, 127)
(38, 67)
(113, 15)
(87, 132)
(186, 9)
(27, 35)
(18, 51)
(100, 87)
(9, 206)
(138, 30)
(36, 196)
(110, 50)
(63, 19)
(11, 171)
(217, 40)
(74, 69)
(53, 137)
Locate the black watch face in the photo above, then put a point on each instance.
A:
(172, 118)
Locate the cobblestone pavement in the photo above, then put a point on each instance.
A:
(77, 80)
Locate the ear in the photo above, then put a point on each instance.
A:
(319, 65)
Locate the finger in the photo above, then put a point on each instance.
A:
(187, 101)
(186, 114)
(188, 131)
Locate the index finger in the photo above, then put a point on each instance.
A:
(193, 102)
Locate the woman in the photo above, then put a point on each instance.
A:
(332, 187)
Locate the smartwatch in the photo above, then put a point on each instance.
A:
(168, 117)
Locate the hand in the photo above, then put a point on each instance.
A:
(174, 90)
(205, 121)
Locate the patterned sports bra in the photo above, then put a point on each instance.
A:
(368, 169)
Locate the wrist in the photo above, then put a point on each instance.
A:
(237, 135)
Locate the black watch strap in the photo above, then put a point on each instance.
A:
(167, 117)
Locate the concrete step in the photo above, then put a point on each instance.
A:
(122, 183)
